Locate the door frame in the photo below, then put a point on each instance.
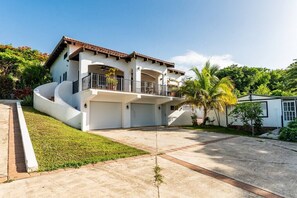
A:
(294, 113)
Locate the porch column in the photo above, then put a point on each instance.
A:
(83, 69)
(164, 83)
(127, 82)
(136, 78)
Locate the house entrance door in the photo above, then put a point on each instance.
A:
(289, 110)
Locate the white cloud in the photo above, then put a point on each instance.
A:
(190, 59)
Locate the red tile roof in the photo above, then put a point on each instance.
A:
(97, 49)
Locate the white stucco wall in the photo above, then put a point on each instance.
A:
(59, 67)
(218, 117)
(72, 74)
(58, 109)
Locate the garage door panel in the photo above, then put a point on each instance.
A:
(142, 115)
(105, 115)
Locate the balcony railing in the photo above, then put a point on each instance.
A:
(99, 81)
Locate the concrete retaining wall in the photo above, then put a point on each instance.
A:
(30, 158)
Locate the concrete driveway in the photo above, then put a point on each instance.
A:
(267, 165)
(194, 164)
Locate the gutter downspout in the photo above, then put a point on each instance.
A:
(282, 116)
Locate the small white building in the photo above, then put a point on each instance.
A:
(143, 94)
(278, 111)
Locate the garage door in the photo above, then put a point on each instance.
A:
(142, 115)
(105, 115)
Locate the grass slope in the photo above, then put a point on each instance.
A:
(57, 145)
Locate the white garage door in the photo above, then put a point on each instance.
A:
(142, 115)
(105, 115)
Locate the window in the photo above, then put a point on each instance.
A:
(289, 110)
(264, 107)
(173, 108)
(65, 76)
(65, 55)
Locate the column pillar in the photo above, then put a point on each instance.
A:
(83, 69)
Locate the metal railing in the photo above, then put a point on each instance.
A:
(99, 81)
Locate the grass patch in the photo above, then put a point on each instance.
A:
(219, 129)
(58, 145)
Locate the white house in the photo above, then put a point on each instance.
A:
(278, 111)
(142, 91)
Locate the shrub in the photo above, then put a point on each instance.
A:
(22, 93)
(27, 101)
(247, 113)
(194, 119)
(288, 134)
(293, 124)
(6, 87)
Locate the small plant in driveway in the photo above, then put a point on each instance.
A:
(158, 177)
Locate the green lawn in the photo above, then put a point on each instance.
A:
(218, 129)
(57, 145)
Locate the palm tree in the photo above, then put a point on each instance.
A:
(207, 91)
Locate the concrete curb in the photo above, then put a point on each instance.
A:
(30, 158)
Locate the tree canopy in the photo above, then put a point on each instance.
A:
(261, 81)
(21, 68)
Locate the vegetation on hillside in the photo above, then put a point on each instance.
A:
(261, 81)
(21, 70)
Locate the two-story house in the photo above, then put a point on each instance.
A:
(97, 88)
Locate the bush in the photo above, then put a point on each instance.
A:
(293, 124)
(247, 113)
(6, 87)
(27, 101)
(22, 93)
(194, 119)
(289, 133)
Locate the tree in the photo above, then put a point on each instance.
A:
(206, 90)
(246, 78)
(292, 76)
(21, 68)
(249, 113)
(263, 90)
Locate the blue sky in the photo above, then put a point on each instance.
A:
(248, 32)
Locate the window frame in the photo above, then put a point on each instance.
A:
(266, 104)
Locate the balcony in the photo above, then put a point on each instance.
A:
(99, 81)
